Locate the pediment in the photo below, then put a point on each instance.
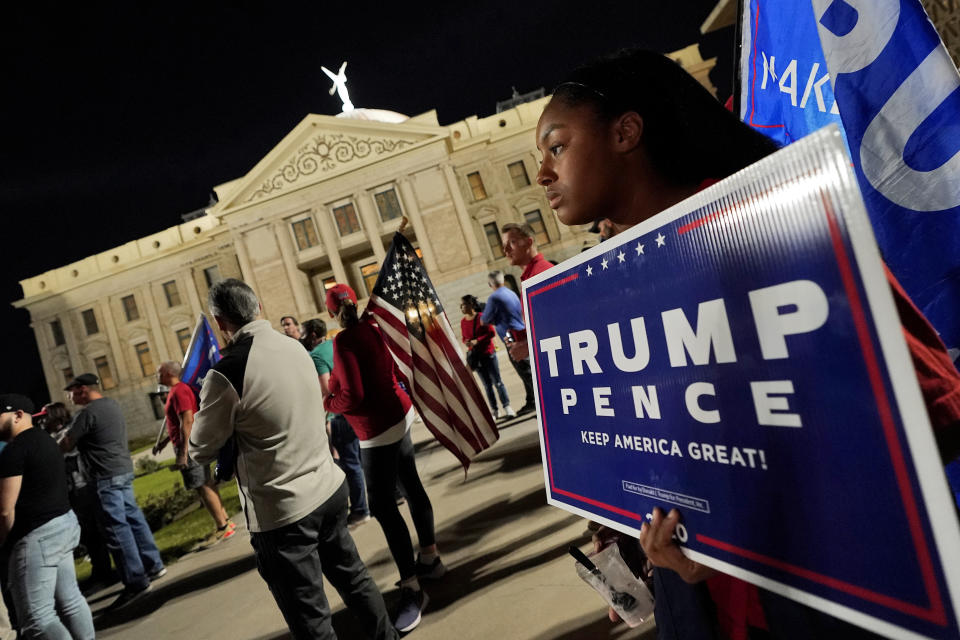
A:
(319, 148)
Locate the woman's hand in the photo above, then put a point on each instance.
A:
(656, 538)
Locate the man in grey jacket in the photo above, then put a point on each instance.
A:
(265, 392)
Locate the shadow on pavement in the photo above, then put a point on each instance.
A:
(169, 589)
(283, 635)
(489, 519)
(595, 625)
(470, 578)
(519, 454)
(433, 443)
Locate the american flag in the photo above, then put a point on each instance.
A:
(431, 365)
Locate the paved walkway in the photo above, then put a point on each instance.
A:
(509, 572)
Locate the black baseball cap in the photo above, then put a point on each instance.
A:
(15, 402)
(83, 380)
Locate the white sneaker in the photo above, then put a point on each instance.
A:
(508, 412)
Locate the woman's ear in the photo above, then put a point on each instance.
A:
(628, 130)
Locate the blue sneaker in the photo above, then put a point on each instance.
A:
(412, 603)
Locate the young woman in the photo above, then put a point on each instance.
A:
(364, 389)
(626, 137)
(479, 340)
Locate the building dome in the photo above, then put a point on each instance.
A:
(376, 115)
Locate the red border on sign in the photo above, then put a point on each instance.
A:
(936, 613)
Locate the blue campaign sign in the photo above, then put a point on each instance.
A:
(739, 357)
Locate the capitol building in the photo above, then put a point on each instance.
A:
(320, 208)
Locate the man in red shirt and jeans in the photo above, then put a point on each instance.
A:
(180, 409)
(520, 247)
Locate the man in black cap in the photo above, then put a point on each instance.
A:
(37, 529)
(100, 433)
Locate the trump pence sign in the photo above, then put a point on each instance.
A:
(739, 357)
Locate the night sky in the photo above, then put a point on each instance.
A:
(116, 120)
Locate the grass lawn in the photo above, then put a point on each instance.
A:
(141, 444)
(163, 479)
(182, 534)
(179, 536)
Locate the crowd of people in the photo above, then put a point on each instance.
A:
(322, 428)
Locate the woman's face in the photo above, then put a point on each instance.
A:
(579, 169)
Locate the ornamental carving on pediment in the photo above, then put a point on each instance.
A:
(324, 153)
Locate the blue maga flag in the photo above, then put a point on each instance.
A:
(739, 357)
(202, 353)
(898, 94)
(785, 89)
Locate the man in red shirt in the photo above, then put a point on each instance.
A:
(180, 409)
(520, 247)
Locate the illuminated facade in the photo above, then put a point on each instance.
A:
(321, 207)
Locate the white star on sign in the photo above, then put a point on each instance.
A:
(621, 257)
(660, 240)
(603, 263)
(589, 270)
(639, 248)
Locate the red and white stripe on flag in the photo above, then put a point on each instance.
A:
(440, 384)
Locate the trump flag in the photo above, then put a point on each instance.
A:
(202, 353)
(878, 69)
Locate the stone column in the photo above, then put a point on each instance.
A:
(70, 336)
(294, 275)
(117, 360)
(413, 214)
(159, 339)
(243, 258)
(466, 225)
(49, 371)
(331, 245)
(371, 221)
(193, 295)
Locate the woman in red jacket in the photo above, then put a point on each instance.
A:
(479, 340)
(364, 389)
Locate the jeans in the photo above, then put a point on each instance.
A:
(293, 559)
(522, 367)
(86, 506)
(127, 533)
(489, 370)
(344, 440)
(383, 466)
(44, 583)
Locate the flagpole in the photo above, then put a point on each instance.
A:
(163, 430)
